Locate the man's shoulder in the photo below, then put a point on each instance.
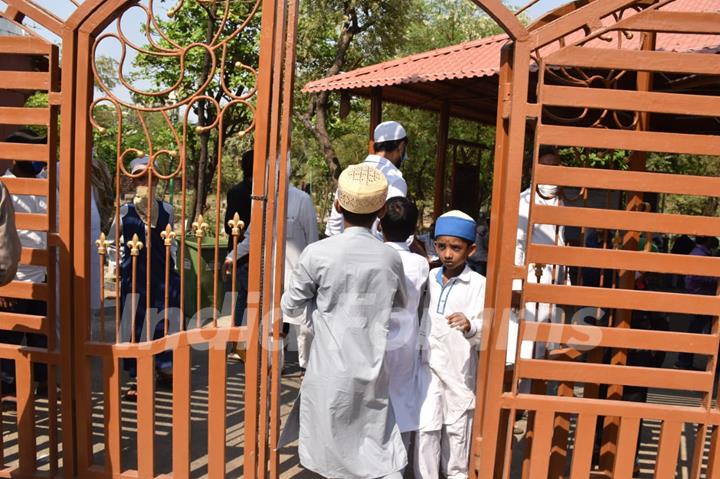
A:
(299, 195)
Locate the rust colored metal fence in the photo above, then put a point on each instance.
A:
(99, 428)
(604, 86)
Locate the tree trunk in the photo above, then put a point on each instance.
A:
(201, 182)
(316, 118)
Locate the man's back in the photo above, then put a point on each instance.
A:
(347, 427)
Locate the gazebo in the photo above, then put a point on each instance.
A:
(461, 81)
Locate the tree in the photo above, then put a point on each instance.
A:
(199, 22)
(337, 35)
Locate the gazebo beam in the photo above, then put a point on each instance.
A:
(376, 104)
(441, 159)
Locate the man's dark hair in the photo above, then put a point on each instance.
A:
(26, 136)
(246, 165)
(547, 150)
(357, 219)
(400, 219)
(388, 146)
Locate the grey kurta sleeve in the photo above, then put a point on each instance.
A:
(10, 247)
(302, 287)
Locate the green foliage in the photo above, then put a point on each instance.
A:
(397, 28)
(687, 165)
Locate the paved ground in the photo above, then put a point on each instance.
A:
(234, 433)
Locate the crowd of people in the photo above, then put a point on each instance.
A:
(388, 326)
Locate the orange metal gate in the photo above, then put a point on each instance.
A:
(93, 431)
(602, 65)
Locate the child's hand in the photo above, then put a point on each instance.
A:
(459, 321)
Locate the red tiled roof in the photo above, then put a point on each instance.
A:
(481, 58)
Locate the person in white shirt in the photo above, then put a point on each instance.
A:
(541, 234)
(402, 359)
(451, 330)
(300, 230)
(31, 239)
(390, 149)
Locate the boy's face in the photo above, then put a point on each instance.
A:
(453, 251)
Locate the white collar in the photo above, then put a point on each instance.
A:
(402, 246)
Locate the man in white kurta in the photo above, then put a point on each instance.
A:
(301, 230)
(390, 149)
(347, 426)
(443, 443)
(545, 195)
(403, 360)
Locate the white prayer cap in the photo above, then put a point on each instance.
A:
(389, 131)
(362, 189)
(139, 164)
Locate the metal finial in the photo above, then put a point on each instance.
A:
(168, 235)
(200, 227)
(236, 224)
(135, 245)
(102, 244)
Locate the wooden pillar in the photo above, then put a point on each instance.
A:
(441, 159)
(375, 114)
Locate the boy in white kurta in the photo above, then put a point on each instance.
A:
(452, 327)
(403, 359)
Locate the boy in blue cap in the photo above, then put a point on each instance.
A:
(451, 328)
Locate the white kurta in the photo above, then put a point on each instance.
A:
(32, 204)
(545, 235)
(449, 391)
(347, 426)
(403, 358)
(396, 187)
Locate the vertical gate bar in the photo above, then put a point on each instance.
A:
(81, 225)
(52, 207)
(25, 415)
(146, 415)
(626, 447)
(505, 253)
(67, 349)
(74, 155)
(501, 143)
(713, 466)
(217, 411)
(285, 132)
(542, 441)
(113, 415)
(627, 278)
(181, 412)
(668, 449)
(699, 451)
(583, 446)
(702, 432)
(559, 453)
(269, 237)
(262, 115)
